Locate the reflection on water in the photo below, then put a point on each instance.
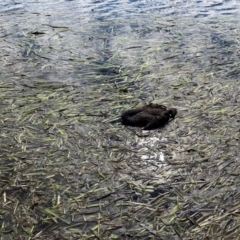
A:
(124, 9)
(10, 6)
(71, 40)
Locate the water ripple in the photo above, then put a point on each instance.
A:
(126, 9)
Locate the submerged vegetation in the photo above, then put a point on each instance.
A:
(70, 170)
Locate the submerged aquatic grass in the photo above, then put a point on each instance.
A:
(70, 170)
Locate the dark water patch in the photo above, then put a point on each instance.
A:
(226, 14)
(10, 7)
(217, 39)
(215, 5)
(201, 15)
(226, 9)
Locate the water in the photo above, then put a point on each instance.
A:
(112, 10)
(83, 30)
(66, 40)
(68, 69)
(123, 9)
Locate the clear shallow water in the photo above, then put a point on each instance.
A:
(183, 54)
(80, 41)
